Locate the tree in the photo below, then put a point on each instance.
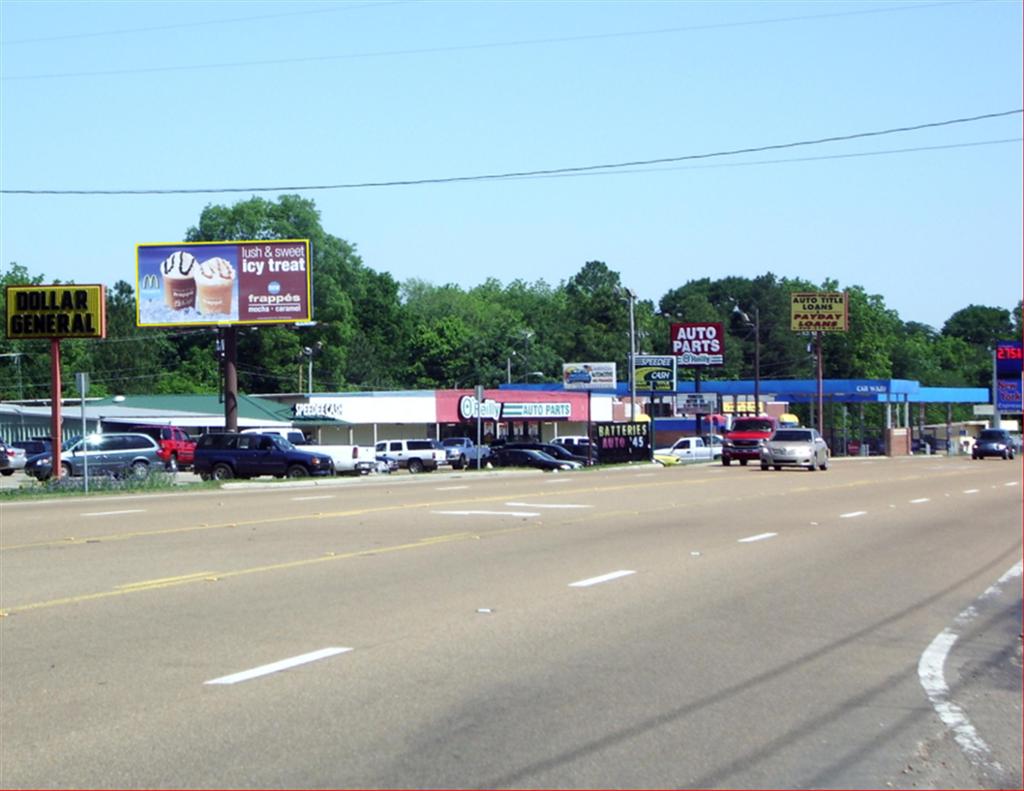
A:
(980, 325)
(359, 322)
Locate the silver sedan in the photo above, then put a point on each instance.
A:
(795, 447)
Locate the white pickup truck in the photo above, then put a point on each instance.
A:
(687, 449)
(348, 459)
(463, 452)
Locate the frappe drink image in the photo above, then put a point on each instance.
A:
(179, 270)
(215, 282)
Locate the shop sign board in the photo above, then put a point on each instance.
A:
(654, 373)
(698, 343)
(1009, 367)
(470, 408)
(57, 311)
(819, 311)
(216, 283)
(589, 376)
(618, 443)
(698, 404)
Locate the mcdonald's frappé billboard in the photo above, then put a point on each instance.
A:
(196, 283)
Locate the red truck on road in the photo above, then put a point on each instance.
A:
(743, 441)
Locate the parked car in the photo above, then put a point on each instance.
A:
(993, 442)
(346, 458)
(578, 445)
(524, 457)
(117, 454)
(230, 454)
(795, 447)
(14, 458)
(177, 448)
(415, 455)
(688, 449)
(34, 446)
(463, 452)
(550, 448)
(715, 442)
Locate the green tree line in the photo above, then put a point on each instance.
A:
(374, 333)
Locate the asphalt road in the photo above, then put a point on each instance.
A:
(643, 627)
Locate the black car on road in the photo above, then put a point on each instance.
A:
(993, 442)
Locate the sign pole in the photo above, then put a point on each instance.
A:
(55, 404)
(479, 424)
(821, 400)
(82, 380)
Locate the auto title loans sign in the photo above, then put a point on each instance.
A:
(819, 311)
(56, 312)
(698, 343)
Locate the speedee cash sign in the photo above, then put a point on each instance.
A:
(257, 282)
(698, 343)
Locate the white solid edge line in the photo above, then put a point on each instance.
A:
(614, 575)
(276, 667)
(115, 513)
(930, 672)
(852, 514)
(758, 537)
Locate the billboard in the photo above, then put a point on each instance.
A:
(819, 311)
(59, 311)
(618, 443)
(654, 373)
(698, 343)
(588, 376)
(202, 283)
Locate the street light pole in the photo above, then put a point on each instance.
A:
(630, 295)
(756, 324)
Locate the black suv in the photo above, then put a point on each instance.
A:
(993, 442)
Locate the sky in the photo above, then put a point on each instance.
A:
(258, 96)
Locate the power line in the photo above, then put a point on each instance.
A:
(206, 23)
(609, 167)
(854, 155)
(489, 45)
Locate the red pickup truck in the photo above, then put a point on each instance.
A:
(177, 449)
(744, 440)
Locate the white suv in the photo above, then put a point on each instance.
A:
(416, 455)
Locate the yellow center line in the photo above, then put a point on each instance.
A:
(215, 576)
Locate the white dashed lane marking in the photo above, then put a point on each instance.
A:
(276, 667)
(545, 505)
(852, 514)
(758, 537)
(614, 575)
(921, 500)
(115, 513)
(486, 513)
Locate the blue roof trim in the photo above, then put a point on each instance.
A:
(800, 390)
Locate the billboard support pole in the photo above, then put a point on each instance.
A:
(821, 400)
(230, 377)
(55, 406)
